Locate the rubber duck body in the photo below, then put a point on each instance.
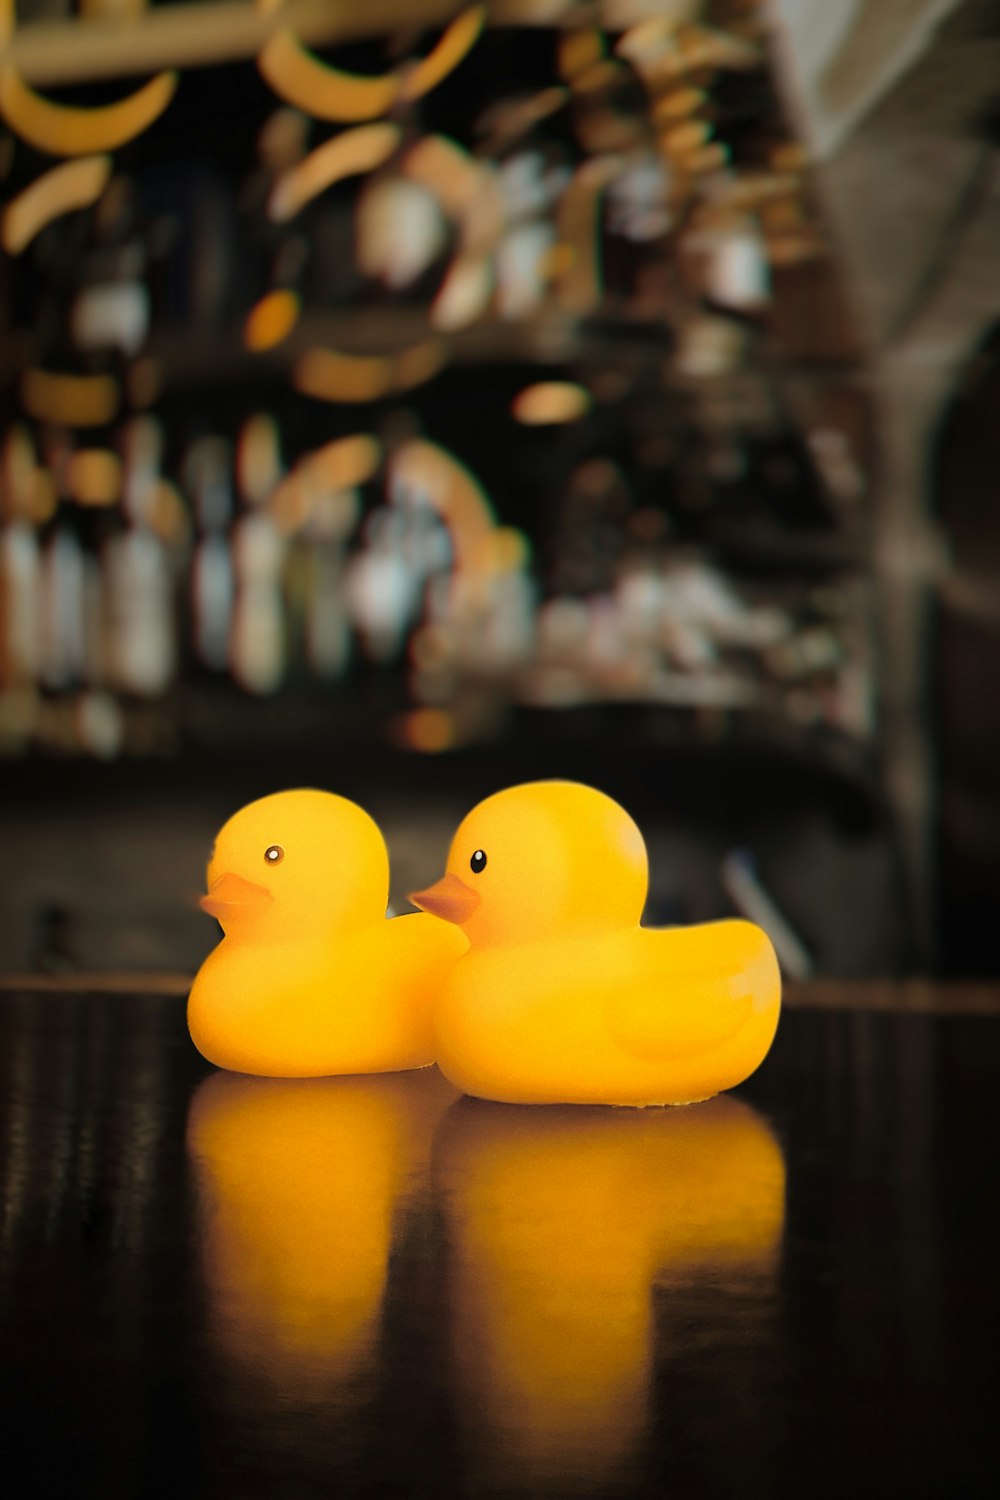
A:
(563, 997)
(310, 978)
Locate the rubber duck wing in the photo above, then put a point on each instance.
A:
(697, 987)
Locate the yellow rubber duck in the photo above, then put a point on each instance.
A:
(562, 997)
(310, 978)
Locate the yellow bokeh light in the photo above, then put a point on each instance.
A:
(601, 76)
(65, 130)
(416, 366)
(94, 477)
(429, 730)
(329, 375)
(288, 506)
(431, 471)
(298, 77)
(258, 457)
(579, 226)
(430, 648)
(359, 150)
(550, 401)
(271, 320)
(578, 50)
(347, 462)
(70, 400)
(144, 380)
(457, 41)
(680, 140)
(511, 550)
(448, 171)
(168, 515)
(74, 184)
(708, 158)
(465, 293)
(43, 500)
(678, 104)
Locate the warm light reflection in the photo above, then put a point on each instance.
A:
(271, 320)
(322, 486)
(447, 171)
(681, 140)
(74, 184)
(455, 44)
(562, 1222)
(421, 362)
(576, 51)
(17, 470)
(510, 118)
(430, 471)
(550, 401)
(579, 216)
(504, 550)
(345, 462)
(329, 375)
(301, 1181)
(43, 501)
(258, 457)
(428, 730)
(95, 477)
(111, 10)
(70, 400)
(68, 130)
(678, 104)
(649, 39)
(168, 515)
(143, 381)
(465, 293)
(298, 77)
(352, 152)
(708, 158)
(602, 75)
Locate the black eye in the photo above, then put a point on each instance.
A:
(274, 855)
(477, 864)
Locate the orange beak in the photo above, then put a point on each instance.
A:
(231, 896)
(450, 898)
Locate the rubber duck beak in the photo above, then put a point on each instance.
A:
(231, 895)
(450, 898)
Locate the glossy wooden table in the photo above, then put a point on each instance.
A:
(215, 1286)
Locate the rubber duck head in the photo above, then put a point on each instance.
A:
(542, 860)
(295, 863)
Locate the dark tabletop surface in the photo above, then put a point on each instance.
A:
(224, 1287)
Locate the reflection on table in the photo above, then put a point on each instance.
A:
(300, 1183)
(562, 1222)
(228, 1289)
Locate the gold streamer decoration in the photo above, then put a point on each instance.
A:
(68, 130)
(71, 185)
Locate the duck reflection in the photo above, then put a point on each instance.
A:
(561, 1222)
(300, 1183)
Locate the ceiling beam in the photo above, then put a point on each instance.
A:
(218, 31)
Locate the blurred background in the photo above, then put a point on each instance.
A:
(409, 400)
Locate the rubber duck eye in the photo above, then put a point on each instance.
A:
(477, 863)
(274, 854)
